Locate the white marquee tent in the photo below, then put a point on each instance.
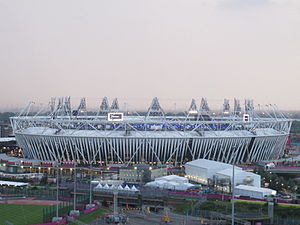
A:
(171, 182)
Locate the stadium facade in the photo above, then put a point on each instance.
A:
(111, 136)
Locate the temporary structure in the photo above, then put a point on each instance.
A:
(171, 182)
(202, 170)
(133, 188)
(254, 192)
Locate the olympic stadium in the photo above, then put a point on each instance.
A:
(235, 134)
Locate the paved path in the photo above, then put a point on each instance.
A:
(138, 218)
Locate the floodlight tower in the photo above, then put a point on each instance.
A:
(237, 107)
(226, 107)
(115, 106)
(104, 107)
(155, 109)
(193, 110)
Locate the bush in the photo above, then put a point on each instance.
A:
(44, 180)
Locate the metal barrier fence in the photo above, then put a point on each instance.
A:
(282, 221)
(218, 218)
(64, 207)
(43, 194)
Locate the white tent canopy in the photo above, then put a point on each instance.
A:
(240, 177)
(99, 186)
(115, 187)
(133, 188)
(201, 170)
(171, 182)
(174, 178)
(253, 192)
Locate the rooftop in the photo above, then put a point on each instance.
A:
(151, 134)
(205, 163)
(253, 188)
(7, 139)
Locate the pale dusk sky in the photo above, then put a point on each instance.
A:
(135, 50)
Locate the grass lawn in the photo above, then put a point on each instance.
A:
(262, 203)
(90, 216)
(289, 205)
(21, 214)
(250, 202)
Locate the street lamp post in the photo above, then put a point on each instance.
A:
(74, 186)
(57, 188)
(233, 187)
(232, 200)
(91, 184)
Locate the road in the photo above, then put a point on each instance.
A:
(136, 217)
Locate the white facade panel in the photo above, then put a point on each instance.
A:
(91, 139)
(201, 170)
(240, 177)
(253, 192)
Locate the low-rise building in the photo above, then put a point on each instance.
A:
(219, 175)
(5, 129)
(141, 173)
(203, 171)
(240, 177)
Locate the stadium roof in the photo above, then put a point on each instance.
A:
(7, 139)
(156, 134)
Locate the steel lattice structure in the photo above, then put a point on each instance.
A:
(63, 134)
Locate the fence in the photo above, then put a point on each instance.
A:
(282, 221)
(43, 194)
(64, 207)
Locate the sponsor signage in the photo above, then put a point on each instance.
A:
(246, 117)
(115, 116)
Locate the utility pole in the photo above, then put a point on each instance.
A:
(91, 184)
(57, 188)
(57, 218)
(115, 202)
(232, 200)
(75, 186)
(232, 185)
(74, 212)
